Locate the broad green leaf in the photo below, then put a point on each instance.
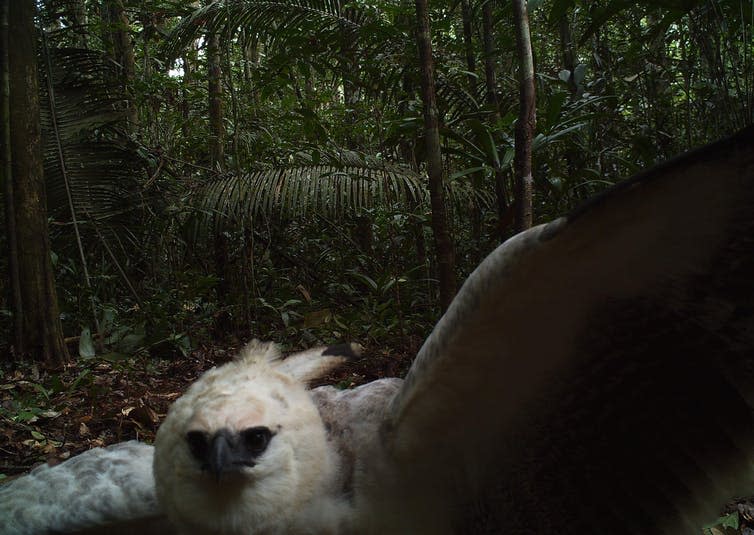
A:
(466, 172)
(365, 279)
(554, 107)
(485, 140)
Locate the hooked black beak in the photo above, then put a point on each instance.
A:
(227, 452)
(225, 456)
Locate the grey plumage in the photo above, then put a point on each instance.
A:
(97, 488)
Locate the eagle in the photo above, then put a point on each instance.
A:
(593, 375)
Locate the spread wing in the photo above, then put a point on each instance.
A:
(593, 374)
(104, 490)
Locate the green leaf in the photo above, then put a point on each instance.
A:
(56, 384)
(81, 377)
(26, 416)
(731, 520)
(466, 172)
(485, 140)
(183, 343)
(510, 153)
(554, 107)
(290, 303)
(365, 279)
(42, 390)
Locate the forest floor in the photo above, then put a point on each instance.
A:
(47, 417)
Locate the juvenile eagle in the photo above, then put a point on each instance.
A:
(593, 375)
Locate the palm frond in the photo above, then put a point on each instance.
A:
(456, 100)
(345, 183)
(333, 188)
(358, 42)
(302, 189)
(82, 150)
(463, 194)
(278, 21)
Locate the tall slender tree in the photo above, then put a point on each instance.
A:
(494, 114)
(120, 48)
(566, 50)
(443, 240)
(468, 43)
(7, 175)
(215, 90)
(38, 313)
(223, 322)
(527, 118)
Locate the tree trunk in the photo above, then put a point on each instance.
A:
(186, 83)
(38, 313)
(148, 28)
(407, 150)
(351, 94)
(527, 118)
(489, 58)
(468, 44)
(443, 242)
(566, 49)
(120, 48)
(573, 158)
(216, 129)
(494, 115)
(5, 154)
(223, 320)
(659, 103)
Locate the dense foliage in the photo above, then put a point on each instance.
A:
(288, 200)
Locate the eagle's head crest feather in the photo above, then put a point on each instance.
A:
(272, 451)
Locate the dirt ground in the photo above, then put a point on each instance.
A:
(49, 418)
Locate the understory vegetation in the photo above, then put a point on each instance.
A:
(256, 168)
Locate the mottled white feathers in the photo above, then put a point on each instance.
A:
(290, 487)
(94, 489)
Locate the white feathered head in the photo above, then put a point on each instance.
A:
(245, 444)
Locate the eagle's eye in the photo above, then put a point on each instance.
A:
(198, 443)
(256, 439)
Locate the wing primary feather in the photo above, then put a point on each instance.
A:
(594, 374)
